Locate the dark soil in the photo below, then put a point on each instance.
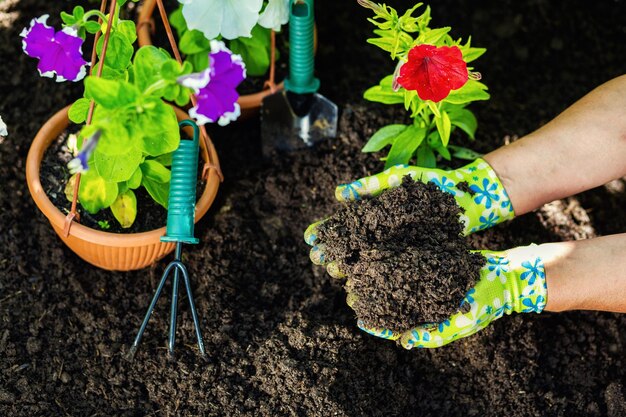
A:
(404, 254)
(279, 336)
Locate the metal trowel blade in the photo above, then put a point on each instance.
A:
(296, 121)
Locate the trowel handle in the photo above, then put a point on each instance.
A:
(301, 58)
(182, 197)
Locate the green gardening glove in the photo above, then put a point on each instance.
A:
(511, 281)
(486, 204)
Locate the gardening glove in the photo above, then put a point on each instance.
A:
(511, 281)
(485, 206)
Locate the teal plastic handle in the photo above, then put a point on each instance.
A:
(301, 58)
(181, 208)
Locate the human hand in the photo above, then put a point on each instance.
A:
(484, 200)
(511, 281)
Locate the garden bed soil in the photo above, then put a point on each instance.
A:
(404, 255)
(279, 336)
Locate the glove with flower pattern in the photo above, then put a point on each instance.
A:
(511, 281)
(486, 204)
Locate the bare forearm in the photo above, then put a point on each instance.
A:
(582, 148)
(587, 274)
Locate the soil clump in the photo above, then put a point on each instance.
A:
(403, 253)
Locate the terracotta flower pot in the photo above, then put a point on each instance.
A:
(250, 104)
(112, 251)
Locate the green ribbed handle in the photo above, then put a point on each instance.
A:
(301, 58)
(182, 198)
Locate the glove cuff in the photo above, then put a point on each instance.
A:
(485, 200)
(522, 274)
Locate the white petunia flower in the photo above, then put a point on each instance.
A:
(3, 128)
(229, 18)
(275, 14)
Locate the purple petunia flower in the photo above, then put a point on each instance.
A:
(80, 163)
(58, 52)
(216, 87)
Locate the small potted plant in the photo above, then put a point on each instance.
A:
(248, 28)
(127, 129)
(431, 80)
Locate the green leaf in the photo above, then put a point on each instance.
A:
(124, 208)
(67, 18)
(434, 108)
(199, 62)
(469, 53)
(464, 153)
(177, 20)
(94, 193)
(117, 168)
(79, 110)
(92, 26)
(135, 180)
(156, 129)
(110, 94)
(170, 71)
(443, 127)
(426, 157)
(255, 51)
(385, 136)
(165, 160)
(119, 51)
(444, 152)
(147, 66)
(128, 29)
(78, 12)
(383, 93)
(157, 190)
(193, 42)
(109, 73)
(153, 171)
(433, 36)
(405, 145)
(471, 91)
(464, 120)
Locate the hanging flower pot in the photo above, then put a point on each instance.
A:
(112, 251)
(249, 103)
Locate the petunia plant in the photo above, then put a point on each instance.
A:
(129, 130)
(244, 25)
(433, 82)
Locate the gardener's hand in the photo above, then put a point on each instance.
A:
(484, 199)
(510, 281)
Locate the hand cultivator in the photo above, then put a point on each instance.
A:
(180, 228)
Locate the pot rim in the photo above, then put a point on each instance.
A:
(50, 130)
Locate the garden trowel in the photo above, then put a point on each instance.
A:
(298, 117)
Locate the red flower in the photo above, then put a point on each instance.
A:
(434, 71)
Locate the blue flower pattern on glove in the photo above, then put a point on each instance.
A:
(534, 307)
(533, 271)
(351, 191)
(488, 222)
(498, 265)
(384, 333)
(445, 184)
(486, 193)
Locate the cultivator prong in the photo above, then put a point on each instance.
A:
(180, 225)
(178, 267)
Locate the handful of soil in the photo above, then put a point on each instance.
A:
(404, 255)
